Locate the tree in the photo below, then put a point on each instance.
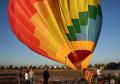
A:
(112, 65)
(90, 66)
(96, 65)
(103, 65)
(119, 64)
(11, 66)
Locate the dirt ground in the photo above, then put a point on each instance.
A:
(56, 75)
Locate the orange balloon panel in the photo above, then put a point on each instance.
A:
(65, 31)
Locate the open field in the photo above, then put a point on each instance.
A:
(11, 76)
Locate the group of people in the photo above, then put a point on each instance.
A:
(29, 76)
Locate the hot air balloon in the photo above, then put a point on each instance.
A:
(65, 31)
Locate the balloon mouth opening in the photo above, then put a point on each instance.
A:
(78, 55)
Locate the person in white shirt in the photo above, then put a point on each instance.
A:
(27, 77)
(99, 72)
(99, 75)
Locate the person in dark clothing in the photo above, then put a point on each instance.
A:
(20, 76)
(46, 76)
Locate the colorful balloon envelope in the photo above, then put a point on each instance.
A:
(65, 31)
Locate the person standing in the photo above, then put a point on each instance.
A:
(100, 75)
(31, 73)
(27, 80)
(46, 76)
(20, 76)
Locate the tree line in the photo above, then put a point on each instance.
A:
(108, 66)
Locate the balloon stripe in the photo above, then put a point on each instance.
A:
(99, 11)
(64, 4)
(42, 29)
(83, 45)
(34, 1)
(65, 10)
(12, 19)
(44, 35)
(83, 18)
(39, 35)
(83, 5)
(98, 2)
(79, 55)
(31, 45)
(92, 2)
(72, 33)
(84, 32)
(76, 24)
(49, 19)
(85, 62)
(98, 26)
(73, 9)
(92, 30)
(56, 9)
(21, 28)
(23, 18)
(27, 7)
(92, 11)
(74, 14)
